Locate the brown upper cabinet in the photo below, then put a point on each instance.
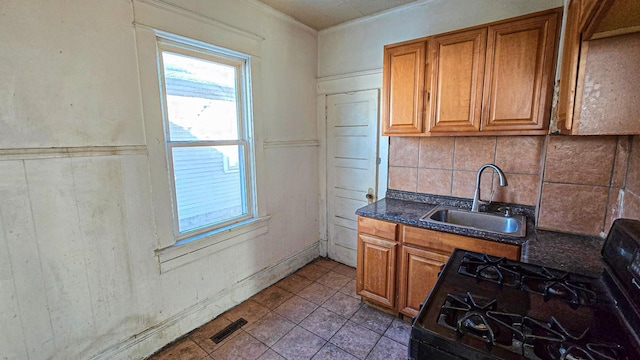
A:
(519, 75)
(458, 68)
(404, 95)
(600, 74)
(495, 79)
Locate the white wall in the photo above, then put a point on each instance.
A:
(357, 46)
(78, 274)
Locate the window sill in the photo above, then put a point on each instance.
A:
(189, 250)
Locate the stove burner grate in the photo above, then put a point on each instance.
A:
(561, 286)
(474, 316)
(577, 347)
(483, 267)
(531, 278)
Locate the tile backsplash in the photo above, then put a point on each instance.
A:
(579, 184)
(448, 166)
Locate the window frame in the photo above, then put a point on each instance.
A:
(242, 64)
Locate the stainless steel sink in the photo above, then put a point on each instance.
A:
(514, 225)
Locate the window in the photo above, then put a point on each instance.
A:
(208, 136)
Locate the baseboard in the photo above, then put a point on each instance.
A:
(323, 248)
(150, 340)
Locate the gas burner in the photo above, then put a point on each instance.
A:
(467, 316)
(475, 323)
(490, 273)
(576, 347)
(559, 285)
(485, 267)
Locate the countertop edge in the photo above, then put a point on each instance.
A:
(542, 247)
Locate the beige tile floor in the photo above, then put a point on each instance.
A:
(314, 313)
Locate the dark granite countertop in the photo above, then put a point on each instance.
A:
(570, 252)
(410, 212)
(575, 253)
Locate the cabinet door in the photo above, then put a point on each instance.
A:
(520, 66)
(376, 270)
(458, 72)
(403, 85)
(418, 273)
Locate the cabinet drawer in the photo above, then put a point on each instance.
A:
(379, 228)
(451, 241)
(444, 243)
(420, 237)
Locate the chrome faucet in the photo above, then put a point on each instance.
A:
(476, 195)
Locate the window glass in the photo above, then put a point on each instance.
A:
(201, 99)
(207, 141)
(206, 192)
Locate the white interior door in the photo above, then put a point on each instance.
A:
(352, 153)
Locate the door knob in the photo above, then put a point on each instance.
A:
(370, 197)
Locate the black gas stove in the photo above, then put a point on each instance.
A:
(485, 307)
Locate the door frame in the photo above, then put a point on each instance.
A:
(340, 84)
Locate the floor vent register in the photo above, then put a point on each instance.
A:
(230, 329)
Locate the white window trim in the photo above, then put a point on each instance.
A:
(151, 23)
(210, 243)
(187, 47)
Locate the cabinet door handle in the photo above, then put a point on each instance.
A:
(635, 282)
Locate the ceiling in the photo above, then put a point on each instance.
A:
(321, 14)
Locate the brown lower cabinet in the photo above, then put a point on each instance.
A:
(418, 273)
(398, 265)
(377, 258)
(377, 269)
